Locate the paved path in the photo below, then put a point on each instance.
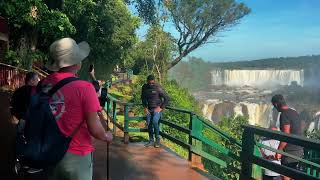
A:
(135, 162)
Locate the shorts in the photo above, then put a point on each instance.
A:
(290, 162)
(73, 167)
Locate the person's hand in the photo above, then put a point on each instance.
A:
(109, 137)
(278, 156)
(158, 109)
(270, 157)
(14, 120)
(146, 111)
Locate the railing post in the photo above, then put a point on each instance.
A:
(126, 124)
(246, 154)
(196, 130)
(190, 137)
(114, 116)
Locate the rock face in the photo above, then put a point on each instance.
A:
(257, 78)
(261, 114)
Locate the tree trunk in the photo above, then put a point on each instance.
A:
(175, 62)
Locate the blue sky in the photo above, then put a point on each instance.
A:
(274, 28)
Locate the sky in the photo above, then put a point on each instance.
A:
(274, 28)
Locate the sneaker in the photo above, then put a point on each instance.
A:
(150, 143)
(33, 170)
(157, 144)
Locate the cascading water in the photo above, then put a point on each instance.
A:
(257, 78)
(260, 114)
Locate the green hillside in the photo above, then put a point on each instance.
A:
(194, 74)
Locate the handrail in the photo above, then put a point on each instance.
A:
(223, 134)
(248, 158)
(21, 69)
(293, 139)
(194, 132)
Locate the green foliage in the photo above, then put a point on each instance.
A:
(154, 53)
(12, 58)
(108, 27)
(33, 26)
(196, 21)
(233, 127)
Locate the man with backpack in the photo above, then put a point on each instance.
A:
(290, 123)
(66, 111)
(154, 100)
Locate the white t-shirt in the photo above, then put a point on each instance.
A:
(273, 144)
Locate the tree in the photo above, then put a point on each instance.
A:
(33, 27)
(197, 21)
(108, 27)
(154, 53)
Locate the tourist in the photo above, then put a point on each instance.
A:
(290, 123)
(74, 105)
(21, 97)
(154, 100)
(19, 105)
(267, 154)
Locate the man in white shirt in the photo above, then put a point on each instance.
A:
(267, 154)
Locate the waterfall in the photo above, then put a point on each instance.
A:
(260, 114)
(257, 78)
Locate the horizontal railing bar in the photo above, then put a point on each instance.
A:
(175, 126)
(175, 140)
(180, 110)
(199, 152)
(218, 147)
(137, 130)
(13, 67)
(280, 168)
(293, 139)
(221, 133)
(136, 118)
(289, 155)
(208, 156)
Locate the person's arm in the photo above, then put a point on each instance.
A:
(143, 97)
(144, 100)
(96, 129)
(91, 106)
(165, 98)
(286, 129)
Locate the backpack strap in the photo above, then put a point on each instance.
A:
(61, 83)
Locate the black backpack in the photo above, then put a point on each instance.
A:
(42, 144)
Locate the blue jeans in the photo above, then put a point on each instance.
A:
(153, 124)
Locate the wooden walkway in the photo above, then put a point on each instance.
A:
(135, 162)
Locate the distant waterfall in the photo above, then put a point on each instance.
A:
(256, 78)
(260, 114)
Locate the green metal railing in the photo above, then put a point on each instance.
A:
(195, 131)
(307, 168)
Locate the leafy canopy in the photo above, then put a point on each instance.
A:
(196, 21)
